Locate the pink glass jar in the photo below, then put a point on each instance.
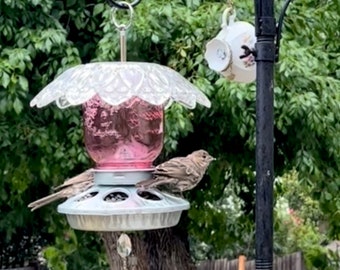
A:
(123, 137)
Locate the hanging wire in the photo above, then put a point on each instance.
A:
(122, 27)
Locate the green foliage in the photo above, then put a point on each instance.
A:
(223, 215)
(299, 225)
(41, 147)
(71, 248)
(308, 78)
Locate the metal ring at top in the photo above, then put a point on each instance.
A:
(122, 25)
(122, 5)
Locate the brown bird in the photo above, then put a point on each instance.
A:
(69, 188)
(180, 173)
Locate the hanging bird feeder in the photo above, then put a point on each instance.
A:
(123, 118)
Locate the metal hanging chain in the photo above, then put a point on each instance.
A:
(122, 28)
(122, 5)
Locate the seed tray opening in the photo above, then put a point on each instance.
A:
(148, 195)
(116, 196)
(87, 196)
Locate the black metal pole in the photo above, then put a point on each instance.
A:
(265, 57)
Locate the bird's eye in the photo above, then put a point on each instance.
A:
(204, 156)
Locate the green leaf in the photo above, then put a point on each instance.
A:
(154, 38)
(5, 79)
(17, 106)
(328, 196)
(70, 3)
(183, 53)
(98, 9)
(23, 82)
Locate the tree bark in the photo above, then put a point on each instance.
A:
(163, 249)
(167, 251)
(110, 243)
(138, 257)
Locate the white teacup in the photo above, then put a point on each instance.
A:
(223, 52)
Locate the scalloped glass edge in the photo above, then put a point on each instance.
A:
(116, 82)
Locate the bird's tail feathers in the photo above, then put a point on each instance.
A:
(44, 201)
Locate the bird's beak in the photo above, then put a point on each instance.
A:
(212, 158)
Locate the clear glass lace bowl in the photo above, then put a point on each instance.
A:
(123, 108)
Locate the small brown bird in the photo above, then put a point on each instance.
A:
(180, 173)
(69, 188)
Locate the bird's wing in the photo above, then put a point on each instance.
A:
(88, 175)
(179, 168)
(157, 181)
(66, 192)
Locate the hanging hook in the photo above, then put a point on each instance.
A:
(279, 28)
(228, 14)
(122, 28)
(230, 4)
(122, 25)
(122, 5)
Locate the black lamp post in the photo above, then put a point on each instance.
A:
(265, 52)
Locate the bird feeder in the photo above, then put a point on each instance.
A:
(123, 115)
(123, 119)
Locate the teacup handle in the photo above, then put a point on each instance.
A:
(232, 15)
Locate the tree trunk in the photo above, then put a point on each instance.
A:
(151, 250)
(110, 242)
(138, 257)
(167, 251)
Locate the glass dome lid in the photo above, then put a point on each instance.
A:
(117, 82)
